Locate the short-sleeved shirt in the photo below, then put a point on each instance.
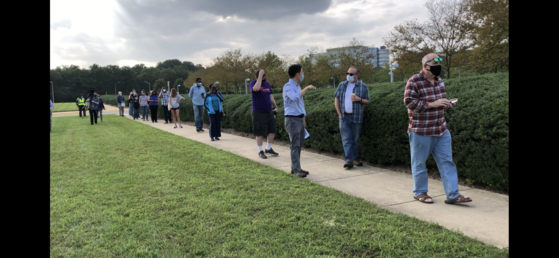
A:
(143, 100)
(175, 101)
(154, 100)
(361, 91)
(261, 100)
(164, 98)
(419, 92)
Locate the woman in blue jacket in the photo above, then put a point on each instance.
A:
(212, 102)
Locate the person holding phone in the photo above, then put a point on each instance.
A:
(153, 105)
(212, 102)
(263, 115)
(425, 99)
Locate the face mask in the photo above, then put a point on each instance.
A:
(120, 94)
(214, 91)
(435, 70)
(199, 84)
(302, 77)
(164, 90)
(350, 78)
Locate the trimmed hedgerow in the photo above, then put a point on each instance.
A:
(479, 125)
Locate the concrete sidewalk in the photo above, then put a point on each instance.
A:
(486, 218)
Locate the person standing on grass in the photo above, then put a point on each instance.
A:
(197, 93)
(131, 104)
(153, 105)
(80, 102)
(120, 103)
(93, 107)
(174, 99)
(425, 99)
(101, 107)
(164, 97)
(263, 119)
(294, 109)
(51, 107)
(144, 105)
(215, 111)
(349, 98)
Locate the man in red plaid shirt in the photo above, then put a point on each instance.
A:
(426, 102)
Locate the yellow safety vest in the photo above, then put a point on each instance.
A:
(81, 101)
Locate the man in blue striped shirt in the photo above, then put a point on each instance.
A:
(349, 98)
(294, 112)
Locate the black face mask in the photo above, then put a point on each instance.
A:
(435, 70)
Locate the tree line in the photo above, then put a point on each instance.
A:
(470, 35)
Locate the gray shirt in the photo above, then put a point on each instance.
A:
(194, 94)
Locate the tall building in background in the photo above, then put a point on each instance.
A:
(380, 55)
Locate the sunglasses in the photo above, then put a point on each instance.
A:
(350, 74)
(436, 59)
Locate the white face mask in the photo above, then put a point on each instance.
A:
(199, 84)
(350, 78)
(164, 90)
(120, 94)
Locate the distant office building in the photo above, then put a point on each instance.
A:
(379, 59)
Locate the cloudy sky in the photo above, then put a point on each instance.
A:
(128, 32)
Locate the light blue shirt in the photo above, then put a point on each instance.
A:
(194, 94)
(292, 101)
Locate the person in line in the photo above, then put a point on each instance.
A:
(120, 103)
(101, 107)
(197, 93)
(425, 99)
(93, 107)
(212, 102)
(51, 107)
(349, 98)
(131, 104)
(135, 106)
(263, 118)
(144, 105)
(80, 102)
(294, 109)
(153, 105)
(164, 97)
(174, 99)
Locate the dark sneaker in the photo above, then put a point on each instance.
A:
(348, 164)
(304, 171)
(358, 163)
(217, 138)
(262, 155)
(271, 152)
(212, 139)
(300, 173)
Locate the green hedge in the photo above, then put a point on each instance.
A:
(479, 125)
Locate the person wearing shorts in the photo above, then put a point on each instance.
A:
(174, 99)
(263, 116)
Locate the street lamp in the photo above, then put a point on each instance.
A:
(149, 85)
(115, 87)
(457, 68)
(393, 65)
(52, 91)
(178, 85)
(246, 86)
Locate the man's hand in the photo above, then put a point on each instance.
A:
(355, 98)
(310, 87)
(260, 74)
(440, 103)
(275, 109)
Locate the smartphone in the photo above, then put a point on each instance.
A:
(453, 101)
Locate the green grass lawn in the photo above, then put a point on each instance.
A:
(124, 189)
(65, 106)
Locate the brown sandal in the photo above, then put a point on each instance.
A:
(422, 197)
(459, 199)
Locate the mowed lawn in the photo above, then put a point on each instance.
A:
(65, 106)
(124, 189)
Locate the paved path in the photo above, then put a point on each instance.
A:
(486, 218)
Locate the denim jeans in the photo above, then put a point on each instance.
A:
(440, 146)
(144, 112)
(131, 109)
(198, 113)
(350, 133)
(101, 114)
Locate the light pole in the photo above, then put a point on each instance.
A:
(115, 87)
(246, 89)
(457, 68)
(52, 85)
(149, 86)
(178, 85)
(393, 65)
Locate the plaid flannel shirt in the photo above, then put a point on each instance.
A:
(361, 91)
(419, 91)
(164, 98)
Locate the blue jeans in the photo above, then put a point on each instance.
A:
(440, 146)
(51, 121)
(136, 112)
(350, 133)
(144, 112)
(198, 113)
(131, 109)
(101, 114)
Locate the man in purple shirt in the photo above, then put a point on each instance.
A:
(51, 107)
(263, 116)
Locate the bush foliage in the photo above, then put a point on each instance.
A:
(479, 125)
